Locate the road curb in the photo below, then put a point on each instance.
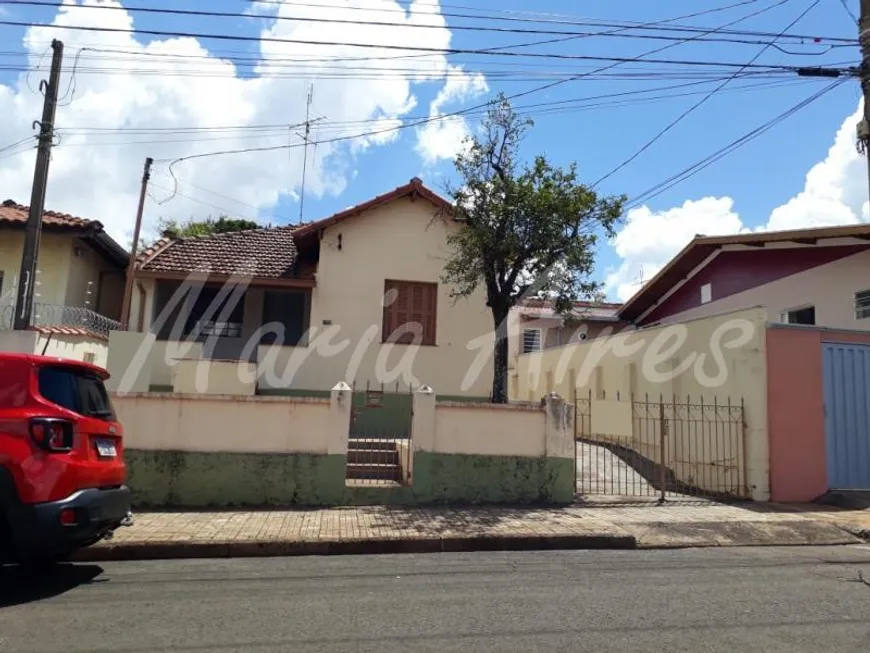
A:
(180, 549)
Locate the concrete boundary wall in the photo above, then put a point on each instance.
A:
(214, 423)
(206, 450)
(484, 429)
(714, 358)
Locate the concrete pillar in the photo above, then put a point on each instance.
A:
(129, 361)
(338, 424)
(423, 421)
(19, 342)
(558, 427)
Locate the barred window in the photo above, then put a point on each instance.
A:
(531, 340)
(862, 305)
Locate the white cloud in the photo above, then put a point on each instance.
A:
(649, 239)
(443, 139)
(834, 194)
(836, 188)
(96, 174)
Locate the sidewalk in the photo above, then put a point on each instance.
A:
(386, 529)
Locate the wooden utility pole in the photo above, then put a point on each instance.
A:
(864, 125)
(131, 266)
(33, 229)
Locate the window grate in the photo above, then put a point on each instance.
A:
(531, 340)
(862, 305)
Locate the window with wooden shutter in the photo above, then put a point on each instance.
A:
(410, 312)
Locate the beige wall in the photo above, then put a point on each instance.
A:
(148, 317)
(489, 430)
(192, 376)
(404, 241)
(63, 277)
(70, 347)
(830, 288)
(107, 283)
(228, 424)
(75, 348)
(680, 359)
(19, 342)
(53, 268)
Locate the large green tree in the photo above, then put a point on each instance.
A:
(190, 228)
(530, 229)
(224, 224)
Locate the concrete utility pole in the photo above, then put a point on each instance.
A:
(33, 232)
(864, 125)
(131, 266)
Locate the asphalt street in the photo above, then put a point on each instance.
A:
(771, 600)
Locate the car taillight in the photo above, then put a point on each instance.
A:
(52, 434)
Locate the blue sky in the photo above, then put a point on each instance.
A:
(756, 179)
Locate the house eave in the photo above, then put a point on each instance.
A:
(259, 282)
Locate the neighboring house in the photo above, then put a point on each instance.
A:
(535, 325)
(322, 282)
(80, 281)
(807, 277)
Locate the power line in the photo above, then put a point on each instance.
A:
(694, 169)
(83, 130)
(175, 192)
(468, 109)
(695, 106)
(849, 11)
(310, 19)
(16, 143)
(412, 48)
(279, 131)
(566, 19)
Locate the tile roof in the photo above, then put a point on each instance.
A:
(267, 252)
(413, 189)
(542, 308)
(702, 248)
(61, 330)
(13, 213)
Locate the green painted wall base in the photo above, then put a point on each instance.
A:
(178, 479)
(174, 478)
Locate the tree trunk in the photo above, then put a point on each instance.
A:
(500, 357)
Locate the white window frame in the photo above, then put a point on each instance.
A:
(540, 337)
(706, 293)
(783, 317)
(862, 305)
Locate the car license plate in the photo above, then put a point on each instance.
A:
(106, 448)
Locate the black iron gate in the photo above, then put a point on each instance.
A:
(661, 447)
(379, 448)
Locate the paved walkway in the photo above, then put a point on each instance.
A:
(383, 529)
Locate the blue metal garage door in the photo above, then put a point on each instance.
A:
(847, 415)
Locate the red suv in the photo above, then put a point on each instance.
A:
(61, 458)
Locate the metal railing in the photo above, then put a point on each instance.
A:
(379, 445)
(65, 316)
(661, 447)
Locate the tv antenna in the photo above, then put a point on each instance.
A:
(307, 141)
(639, 281)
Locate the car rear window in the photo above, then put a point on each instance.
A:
(76, 390)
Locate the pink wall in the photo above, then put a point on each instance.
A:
(795, 407)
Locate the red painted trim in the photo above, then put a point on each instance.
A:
(735, 272)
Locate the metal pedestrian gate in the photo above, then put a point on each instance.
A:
(847, 415)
